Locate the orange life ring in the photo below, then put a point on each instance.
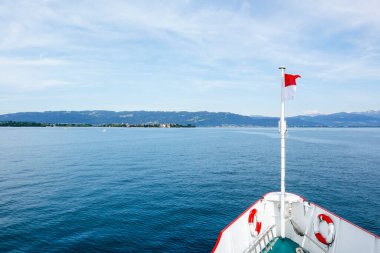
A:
(254, 224)
(331, 230)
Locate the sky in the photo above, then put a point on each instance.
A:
(189, 55)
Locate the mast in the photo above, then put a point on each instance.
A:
(282, 132)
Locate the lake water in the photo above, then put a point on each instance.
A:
(170, 190)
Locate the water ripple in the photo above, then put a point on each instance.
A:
(137, 190)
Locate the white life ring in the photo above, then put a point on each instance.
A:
(254, 224)
(331, 230)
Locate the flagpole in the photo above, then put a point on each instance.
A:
(282, 131)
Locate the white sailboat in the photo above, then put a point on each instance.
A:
(282, 222)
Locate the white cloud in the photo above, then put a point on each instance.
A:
(32, 62)
(215, 46)
(30, 82)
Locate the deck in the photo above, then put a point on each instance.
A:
(284, 246)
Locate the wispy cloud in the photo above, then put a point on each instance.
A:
(31, 62)
(128, 46)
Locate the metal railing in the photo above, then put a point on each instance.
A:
(264, 242)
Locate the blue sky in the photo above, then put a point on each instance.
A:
(189, 55)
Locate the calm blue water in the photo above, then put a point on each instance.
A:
(170, 190)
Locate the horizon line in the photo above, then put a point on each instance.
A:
(176, 111)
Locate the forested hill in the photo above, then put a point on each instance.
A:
(200, 119)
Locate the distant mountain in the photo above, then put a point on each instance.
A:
(375, 114)
(202, 119)
(344, 119)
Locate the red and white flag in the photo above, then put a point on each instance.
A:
(290, 86)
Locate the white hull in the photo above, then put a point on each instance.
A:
(349, 238)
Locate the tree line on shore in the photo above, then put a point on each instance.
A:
(38, 124)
